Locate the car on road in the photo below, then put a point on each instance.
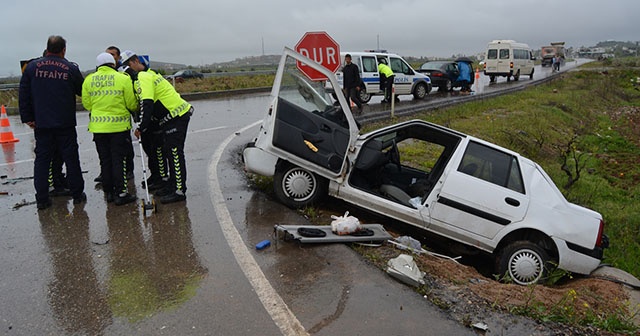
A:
(422, 174)
(443, 74)
(508, 58)
(181, 75)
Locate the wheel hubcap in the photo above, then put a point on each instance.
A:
(299, 184)
(525, 267)
(421, 91)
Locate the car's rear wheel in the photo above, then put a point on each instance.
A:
(297, 187)
(516, 77)
(531, 74)
(523, 262)
(447, 86)
(420, 91)
(492, 79)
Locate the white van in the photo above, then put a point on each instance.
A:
(508, 58)
(407, 80)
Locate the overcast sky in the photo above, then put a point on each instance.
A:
(197, 32)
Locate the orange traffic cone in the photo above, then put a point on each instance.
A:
(6, 136)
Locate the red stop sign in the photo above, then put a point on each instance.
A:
(320, 47)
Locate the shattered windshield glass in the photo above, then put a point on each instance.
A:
(300, 90)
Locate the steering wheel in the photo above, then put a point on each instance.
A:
(394, 155)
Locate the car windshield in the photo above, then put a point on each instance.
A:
(298, 89)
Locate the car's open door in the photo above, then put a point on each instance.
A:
(308, 129)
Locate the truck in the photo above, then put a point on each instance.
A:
(547, 53)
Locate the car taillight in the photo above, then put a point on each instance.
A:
(511, 65)
(600, 230)
(437, 74)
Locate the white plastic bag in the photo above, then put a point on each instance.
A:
(344, 225)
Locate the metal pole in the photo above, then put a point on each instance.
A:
(393, 99)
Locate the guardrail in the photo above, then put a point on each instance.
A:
(11, 86)
(427, 106)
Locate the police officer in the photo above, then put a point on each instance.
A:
(115, 52)
(47, 103)
(108, 95)
(161, 104)
(386, 79)
(152, 140)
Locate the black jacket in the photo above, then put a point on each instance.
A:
(48, 90)
(351, 75)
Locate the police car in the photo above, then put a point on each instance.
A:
(407, 80)
(463, 188)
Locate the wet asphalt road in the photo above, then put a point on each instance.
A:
(191, 268)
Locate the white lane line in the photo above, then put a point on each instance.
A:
(275, 306)
(209, 129)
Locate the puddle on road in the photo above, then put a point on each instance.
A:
(140, 268)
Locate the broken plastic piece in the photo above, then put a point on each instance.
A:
(481, 326)
(405, 269)
(263, 244)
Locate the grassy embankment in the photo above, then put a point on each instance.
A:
(584, 129)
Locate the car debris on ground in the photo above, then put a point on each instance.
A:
(405, 269)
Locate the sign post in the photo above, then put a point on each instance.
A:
(320, 47)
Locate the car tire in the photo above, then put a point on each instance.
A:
(516, 77)
(523, 262)
(531, 74)
(297, 187)
(420, 91)
(364, 96)
(492, 79)
(447, 87)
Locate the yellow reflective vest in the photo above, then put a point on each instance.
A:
(385, 70)
(151, 85)
(108, 96)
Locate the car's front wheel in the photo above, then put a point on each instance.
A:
(523, 262)
(364, 96)
(420, 91)
(297, 187)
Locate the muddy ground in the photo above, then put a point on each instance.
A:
(470, 293)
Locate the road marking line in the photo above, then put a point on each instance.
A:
(271, 301)
(209, 129)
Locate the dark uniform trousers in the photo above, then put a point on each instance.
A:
(113, 149)
(152, 144)
(65, 141)
(175, 134)
(388, 87)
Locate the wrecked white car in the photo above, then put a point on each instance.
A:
(462, 188)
